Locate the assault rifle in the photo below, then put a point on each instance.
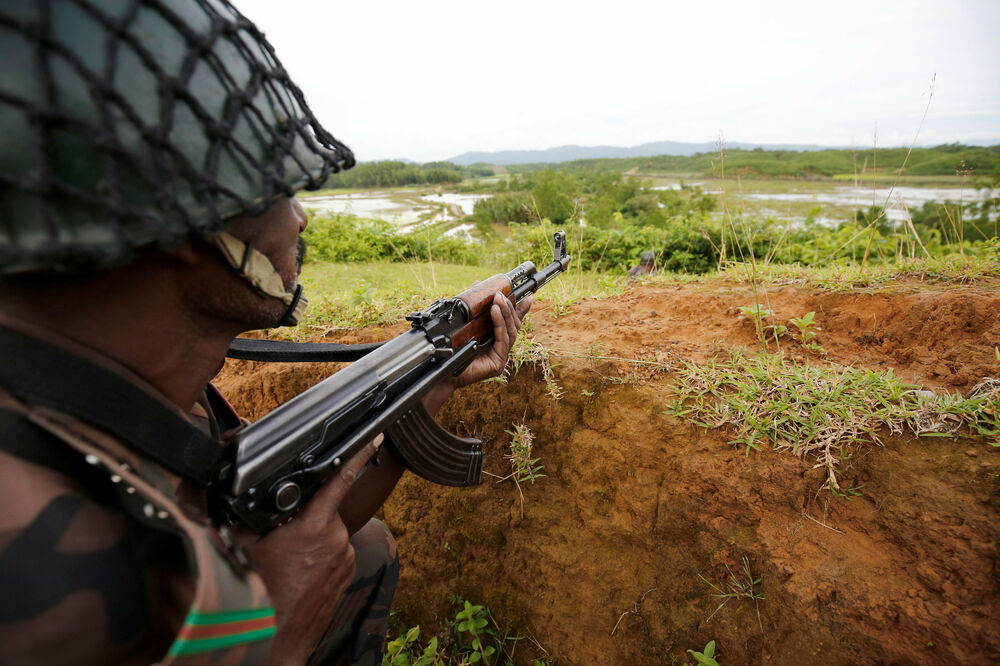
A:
(280, 461)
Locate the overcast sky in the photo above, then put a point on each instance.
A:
(429, 80)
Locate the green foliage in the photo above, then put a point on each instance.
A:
(393, 173)
(505, 208)
(555, 194)
(349, 238)
(605, 200)
(955, 223)
(805, 327)
(473, 637)
(681, 247)
(847, 276)
(940, 160)
(705, 657)
(756, 313)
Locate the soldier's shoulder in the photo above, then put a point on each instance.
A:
(75, 572)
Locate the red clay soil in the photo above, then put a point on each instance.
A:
(638, 507)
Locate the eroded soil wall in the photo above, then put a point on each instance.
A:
(640, 511)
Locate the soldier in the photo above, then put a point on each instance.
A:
(151, 155)
(647, 266)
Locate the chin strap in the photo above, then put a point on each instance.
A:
(258, 270)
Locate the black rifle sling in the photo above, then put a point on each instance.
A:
(27, 441)
(43, 375)
(283, 351)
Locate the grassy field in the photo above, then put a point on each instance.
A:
(346, 295)
(343, 295)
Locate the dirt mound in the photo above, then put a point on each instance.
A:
(640, 511)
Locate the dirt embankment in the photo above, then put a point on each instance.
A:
(639, 509)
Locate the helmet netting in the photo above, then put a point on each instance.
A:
(135, 123)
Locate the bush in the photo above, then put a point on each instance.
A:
(349, 238)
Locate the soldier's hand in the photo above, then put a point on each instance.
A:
(490, 362)
(307, 564)
(507, 319)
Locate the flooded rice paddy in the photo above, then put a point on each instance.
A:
(826, 203)
(404, 209)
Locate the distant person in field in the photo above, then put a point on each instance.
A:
(151, 155)
(646, 267)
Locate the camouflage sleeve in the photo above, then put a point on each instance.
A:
(82, 583)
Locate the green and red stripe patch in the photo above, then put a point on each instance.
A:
(206, 631)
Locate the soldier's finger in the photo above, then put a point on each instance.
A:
(501, 341)
(333, 491)
(510, 317)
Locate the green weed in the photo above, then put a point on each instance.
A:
(472, 637)
(525, 469)
(757, 314)
(805, 327)
(705, 657)
(739, 588)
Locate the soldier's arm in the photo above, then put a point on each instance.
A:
(374, 487)
(77, 584)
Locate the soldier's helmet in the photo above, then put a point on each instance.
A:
(648, 258)
(129, 124)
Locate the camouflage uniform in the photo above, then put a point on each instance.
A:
(106, 557)
(131, 126)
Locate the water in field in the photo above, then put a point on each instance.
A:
(898, 201)
(792, 203)
(401, 209)
(366, 204)
(466, 202)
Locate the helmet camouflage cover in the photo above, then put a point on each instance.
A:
(137, 123)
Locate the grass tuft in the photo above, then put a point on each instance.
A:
(822, 412)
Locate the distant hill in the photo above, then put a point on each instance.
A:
(570, 153)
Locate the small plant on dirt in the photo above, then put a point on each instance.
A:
(594, 350)
(472, 637)
(562, 306)
(847, 491)
(738, 587)
(401, 651)
(777, 330)
(757, 314)
(525, 468)
(706, 656)
(805, 329)
(526, 350)
(473, 620)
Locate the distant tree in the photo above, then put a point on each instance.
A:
(554, 193)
